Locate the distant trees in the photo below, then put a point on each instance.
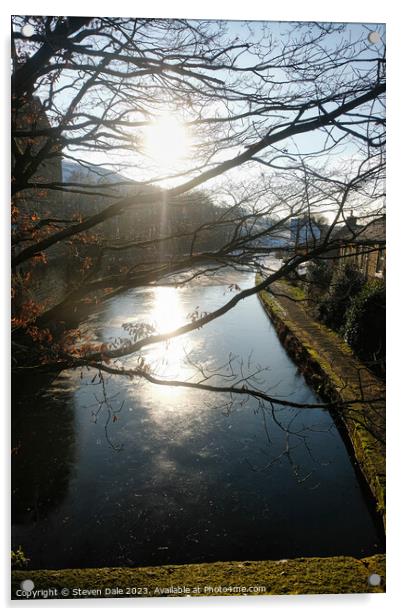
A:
(283, 121)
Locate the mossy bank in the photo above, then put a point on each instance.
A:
(339, 574)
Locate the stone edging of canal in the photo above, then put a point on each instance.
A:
(334, 575)
(332, 370)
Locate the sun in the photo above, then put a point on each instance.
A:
(166, 142)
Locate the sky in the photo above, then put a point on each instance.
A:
(173, 141)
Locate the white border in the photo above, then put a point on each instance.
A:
(315, 10)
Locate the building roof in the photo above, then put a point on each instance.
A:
(372, 231)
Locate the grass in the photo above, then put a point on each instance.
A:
(338, 574)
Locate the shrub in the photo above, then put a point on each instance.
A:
(364, 328)
(346, 283)
(319, 274)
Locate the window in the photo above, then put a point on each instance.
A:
(380, 261)
(357, 256)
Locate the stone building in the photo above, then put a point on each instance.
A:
(366, 249)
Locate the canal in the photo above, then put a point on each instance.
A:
(125, 473)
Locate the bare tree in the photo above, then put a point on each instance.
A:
(282, 121)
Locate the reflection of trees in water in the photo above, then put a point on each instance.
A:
(43, 444)
(106, 402)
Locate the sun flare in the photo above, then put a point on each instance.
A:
(166, 142)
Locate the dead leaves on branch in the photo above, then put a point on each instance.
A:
(196, 315)
(139, 330)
